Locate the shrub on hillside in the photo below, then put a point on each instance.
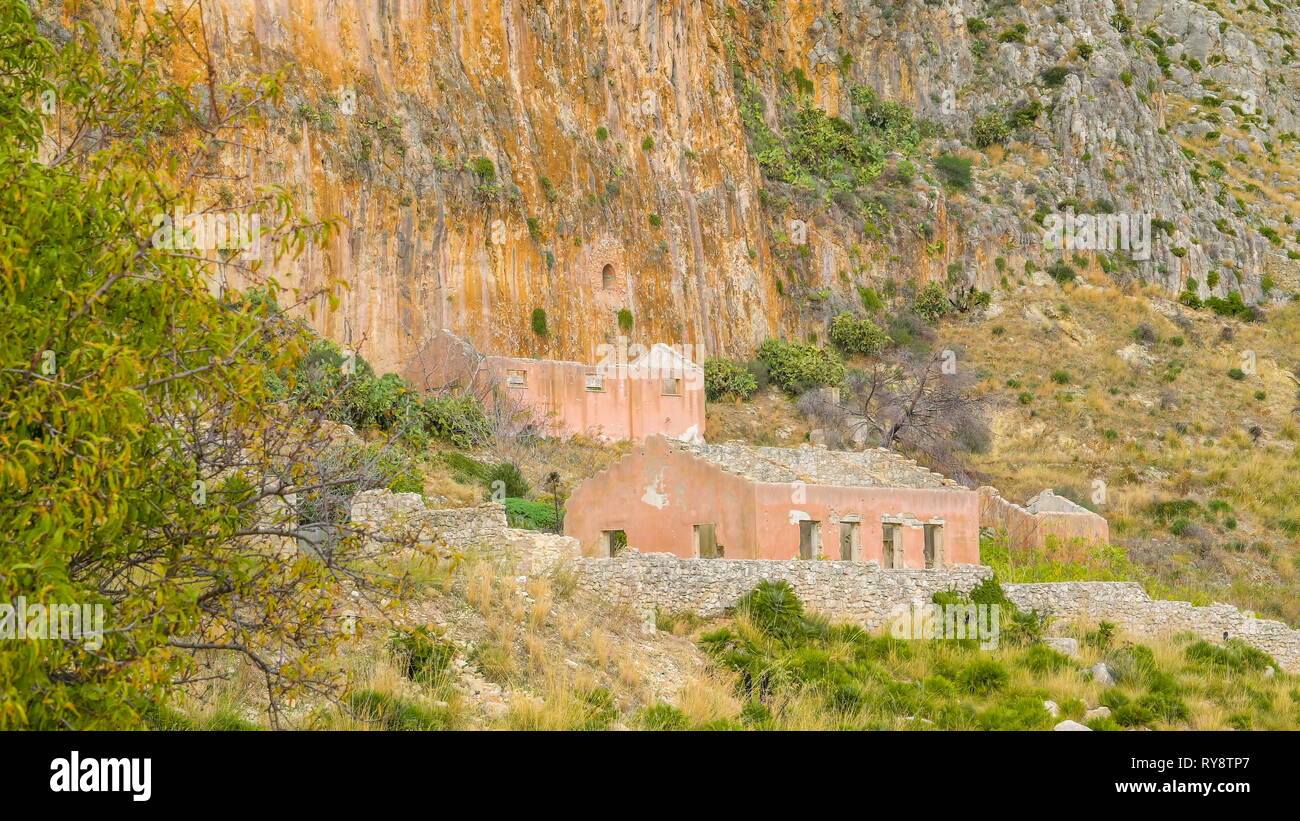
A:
(539, 323)
(955, 171)
(1132, 714)
(505, 480)
(662, 717)
(1016, 626)
(1061, 272)
(530, 515)
(393, 713)
(983, 677)
(1232, 306)
(773, 607)
(1165, 706)
(371, 401)
(727, 378)
(857, 335)
(456, 420)
(990, 129)
(1042, 659)
(1016, 713)
(1235, 655)
(420, 655)
(931, 302)
(796, 367)
(871, 300)
(1055, 76)
(370, 466)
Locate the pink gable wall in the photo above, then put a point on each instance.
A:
(656, 495)
(630, 406)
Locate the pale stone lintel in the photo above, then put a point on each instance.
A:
(905, 519)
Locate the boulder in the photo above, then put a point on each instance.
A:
(1102, 674)
(1068, 726)
(1067, 646)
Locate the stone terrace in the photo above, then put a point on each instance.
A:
(817, 466)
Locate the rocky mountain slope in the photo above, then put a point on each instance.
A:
(583, 158)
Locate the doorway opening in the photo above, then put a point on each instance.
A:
(808, 532)
(850, 541)
(706, 541)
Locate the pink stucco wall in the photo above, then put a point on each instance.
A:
(630, 405)
(656, 494)
(1060, 534)
(955, 510)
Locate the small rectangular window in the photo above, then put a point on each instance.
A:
(595, 382)
(706, 541)
(671, 387)
(516, 379)
(613, 541)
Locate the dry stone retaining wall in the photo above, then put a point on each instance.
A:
(1127, 604)
(863, 593)
(859, 592)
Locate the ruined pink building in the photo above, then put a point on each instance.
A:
(747, 502)
(632, 393)
(1048, 523)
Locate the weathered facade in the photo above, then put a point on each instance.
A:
(1048, 523)
(632, 393)
(744, 502)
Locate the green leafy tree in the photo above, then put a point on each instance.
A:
(149, 465)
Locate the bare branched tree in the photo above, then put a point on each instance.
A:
(924, 401)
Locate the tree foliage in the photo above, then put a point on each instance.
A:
(147, 466)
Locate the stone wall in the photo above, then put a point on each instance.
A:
(1127, 605)
(859, 592)
(863, 593)
(403, 517)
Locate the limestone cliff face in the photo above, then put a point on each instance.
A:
(493, 157)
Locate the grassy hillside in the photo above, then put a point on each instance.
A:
(1176, 424)
(481, 648)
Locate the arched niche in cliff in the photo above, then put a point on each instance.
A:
(605, 274)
